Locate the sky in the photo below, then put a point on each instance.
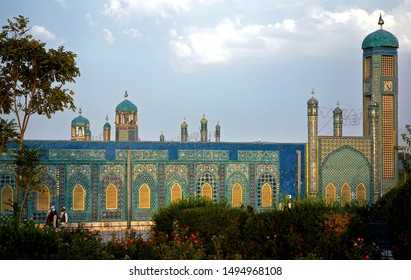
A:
(248, 65)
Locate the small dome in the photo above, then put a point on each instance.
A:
(87, 132)
(80, 121)
(184, 125)
(380, 38)
(203, 120)
(338, 111)
(126, 106)
(312, 102)
(107, 126)
(218, 126)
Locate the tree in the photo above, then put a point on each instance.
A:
(32, 77)
(406, 150)
(28, 160)
(8, 133)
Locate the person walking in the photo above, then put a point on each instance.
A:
(63, 216)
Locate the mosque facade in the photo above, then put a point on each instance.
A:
(125, 180)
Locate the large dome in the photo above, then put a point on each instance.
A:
(380, 38)
(126, 106)
(80, 121)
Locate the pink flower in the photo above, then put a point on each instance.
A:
(366, 257)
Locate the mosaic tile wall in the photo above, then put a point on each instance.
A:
(160, 165)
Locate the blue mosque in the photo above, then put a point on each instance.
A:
(126, 179)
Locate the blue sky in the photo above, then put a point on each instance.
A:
(248, 65)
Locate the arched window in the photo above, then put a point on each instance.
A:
(43, 198)
(361, 194)
(144, 194)
(111, 197)
(6, 198)
(237, 195)
(80, 131)
(266, 196)
(345, 194)
(176, 193)
(330, 194)
(78, 197)
(207, 191)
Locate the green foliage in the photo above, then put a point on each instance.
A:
(394, 208)
(8, 133)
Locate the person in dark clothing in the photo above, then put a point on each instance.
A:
(52, 218)
(63, 216)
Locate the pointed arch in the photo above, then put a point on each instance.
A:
(207, 191)
(144, 195)
(361, 194)
(330, 194)
(79, 195)
(237, 195)
(176, 193)
(111, 197)
(7, 195)
(43, 198)
(266, 196)
(345, 194)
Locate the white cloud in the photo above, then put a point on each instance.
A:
(61, 2)
(108, 36)
(89, 20)
(42, 33)
(132, 32)
(318, 31)
(123, 9)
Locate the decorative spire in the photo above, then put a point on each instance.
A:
(107, 118)
(125, 95)
(312, 92)
(338, 102)
(79, 111)
(380, 21)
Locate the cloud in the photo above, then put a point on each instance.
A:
(61, 2)
(89, 20)
(42, 33)
(132, 32)
(108, 36)
(318, 31)
(123, 9)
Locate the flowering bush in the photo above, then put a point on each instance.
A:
(363, 250)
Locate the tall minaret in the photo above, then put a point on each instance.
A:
(373, 132)
(106, 130)
(126, 121)
(380, 80)
(184, 132)
(217, 132)
(312, 114)
(203, 130)
(338, 121)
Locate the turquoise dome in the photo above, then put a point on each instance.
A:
(126, 106)
(80, 121)
(107, 126)
(380, 38)
(312, 102)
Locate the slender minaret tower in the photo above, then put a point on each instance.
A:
(380, 84)
(373, 133)
(203, 130)
(217, 132)
(312, 114)
(338, 121)
(184, 132)
(162, 137)
(106, 130)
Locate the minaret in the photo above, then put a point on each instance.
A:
(338, 121)
(380, 80)
(126, 121)
(80, 128)
(373, 132)
(106, 130)
(312, 114)
(217, 132)
(203, 130)
(162, 138)
(184, 131)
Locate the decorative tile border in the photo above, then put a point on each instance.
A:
(214, 155)
(74, 154)
(143, 155)
(259, 155)
(330, 144)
